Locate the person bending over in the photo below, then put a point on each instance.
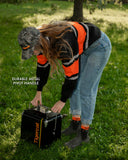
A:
(84, 51)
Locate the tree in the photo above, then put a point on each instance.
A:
(78, 11)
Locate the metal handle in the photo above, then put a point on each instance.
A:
(38, 108)
(64, 115)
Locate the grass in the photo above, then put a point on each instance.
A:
(109, 139)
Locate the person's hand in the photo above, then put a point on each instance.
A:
(37, 99)
(58, 106)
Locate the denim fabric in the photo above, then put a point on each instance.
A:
(92, 63)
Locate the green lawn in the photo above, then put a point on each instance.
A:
(108, 136)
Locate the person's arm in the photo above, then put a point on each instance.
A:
(42, 73)
(71, 69)
(71, 77)
(67, 89)
(37, 99)
(70, 64)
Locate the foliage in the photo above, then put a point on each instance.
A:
(108, 136)
(101, 3)
(20, 1)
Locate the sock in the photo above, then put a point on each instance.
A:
(84, 128)
(76, 118)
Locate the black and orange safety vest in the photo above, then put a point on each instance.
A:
(80, 36)
(72, 68)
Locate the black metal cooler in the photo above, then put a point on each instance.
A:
(40, 126)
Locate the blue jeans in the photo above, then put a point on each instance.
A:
(92, 63)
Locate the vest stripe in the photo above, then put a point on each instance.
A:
(71, 61)
(43, 65)
(87, 36)
(81, 35)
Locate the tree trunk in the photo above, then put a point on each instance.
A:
(78, 11)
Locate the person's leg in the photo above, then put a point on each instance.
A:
(75, 108)
(75, 100)
(97, 56)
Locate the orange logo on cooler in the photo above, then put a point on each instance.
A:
(36, 139)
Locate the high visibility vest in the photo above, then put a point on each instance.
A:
(81, 37)
(71, 69)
